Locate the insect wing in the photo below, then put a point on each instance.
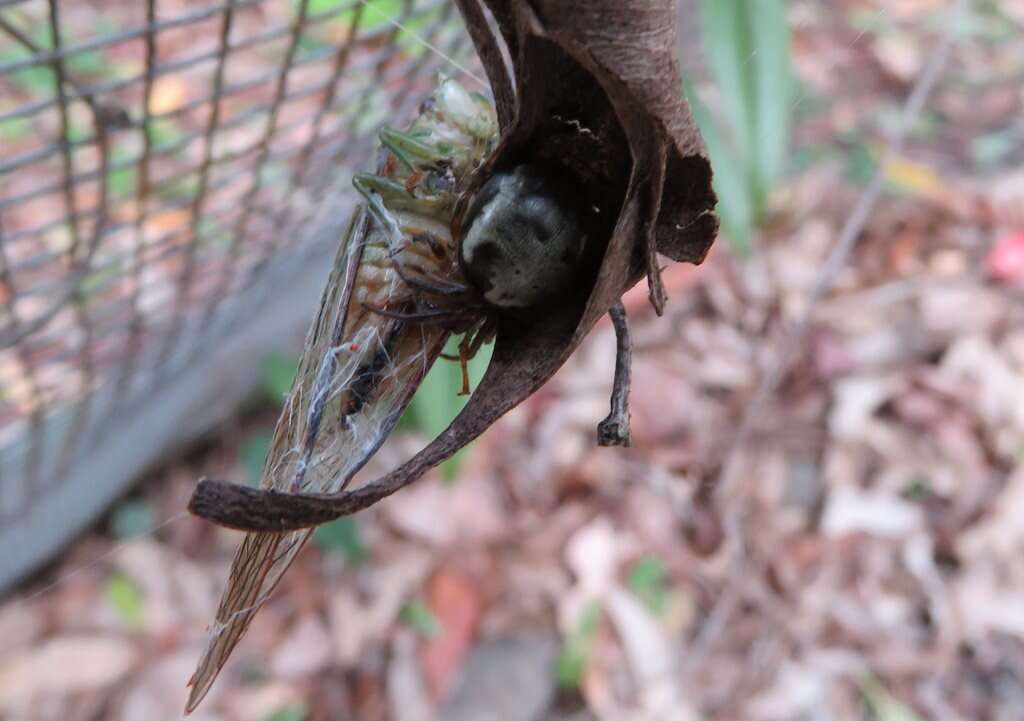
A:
(357, 374)
(359, 368)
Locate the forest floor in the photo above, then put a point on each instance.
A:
(860, 555)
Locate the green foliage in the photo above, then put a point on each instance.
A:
(36, 79)
(747, 45)
(92, 62)
(278, 373)
(648, 580)
(294, 712)
(40, 78)
(883, 706)
(374, 109)
(121, 180)
(342, 536)
(382, 15)
(212, 233)
(253, 453)
(860, 164)
(919, 488)
(437, 401)
(373, 15)
(316, 7)
(131, 519)
(15, 128)
(124, 597)
(987, 150)
(433, 407)
(87, 62)
(179, 189)
(77, 133)
(572, 661)
(273, 172)
(416, 614)
(163, 133)
(251, 672)
(100, 279)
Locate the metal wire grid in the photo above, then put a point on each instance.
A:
(156, 209)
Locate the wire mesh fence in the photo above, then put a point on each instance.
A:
(169, 203)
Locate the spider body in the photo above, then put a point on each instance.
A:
(521, 242)
(524, 241)
(522, 246)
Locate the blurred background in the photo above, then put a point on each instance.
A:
(821, 516)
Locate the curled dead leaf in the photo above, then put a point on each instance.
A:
(615, 121)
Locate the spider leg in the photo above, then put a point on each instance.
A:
(483, 334)
(614, 429)
(432, 284)
(464, 364)
(469, 347)
(438, 315)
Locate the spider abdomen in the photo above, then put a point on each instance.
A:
(523, 240)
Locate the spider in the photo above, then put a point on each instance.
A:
(522, 246)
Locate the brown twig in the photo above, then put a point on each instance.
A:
(614, 430)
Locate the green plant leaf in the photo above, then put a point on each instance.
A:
(647, 579)
(131, 519)
(437, 401)
(87, 62)
(78, 132)
(726, 34)
(121, 181)
(125, 597)
(253, 455)
(986, 150)
(860, 164)
(735, 204)
(572, 661)
(278, 373)
(35, 79)
(883, 706)
(342, 536)
(163, 132)
(251, 672)
(294, 712)
(416, 614)
(212, 233)
(316, 7)
(274, 172)
(748, 48)
(14, 128)
(376, 14)
(774, 88)
(178, 189)
(38, 78)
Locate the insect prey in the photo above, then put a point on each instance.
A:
(369, 346)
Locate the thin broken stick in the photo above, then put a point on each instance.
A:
(614, 429)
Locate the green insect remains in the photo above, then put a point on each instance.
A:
(401, 284)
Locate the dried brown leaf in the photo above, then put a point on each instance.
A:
(614, 119)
